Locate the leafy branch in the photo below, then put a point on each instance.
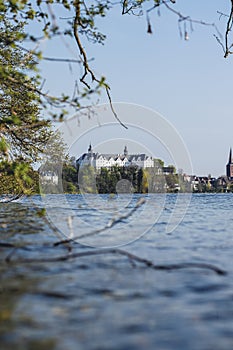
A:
(80, 24)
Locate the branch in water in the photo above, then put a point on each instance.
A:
(130, 256)
(112, 223)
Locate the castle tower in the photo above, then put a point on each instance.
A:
(126, 151)
(90, 149)
(229, 166)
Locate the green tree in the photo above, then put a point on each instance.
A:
(108, 179)
(22, 131)
(172, 181)
(154, 180)
(18, 177)
(69, 178)
(87, 179)
(24, 135)
(159, 164)
(103, 181)
(55, 164)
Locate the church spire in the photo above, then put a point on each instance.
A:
(230, 157)
(229, 166)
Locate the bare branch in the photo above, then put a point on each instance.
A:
(87, 69)
(130, 256)
(111, 223)
(9, 199)
(112, 109)
(222, 15)
(220, 42)
(228, 29)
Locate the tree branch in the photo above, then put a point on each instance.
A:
(130, 256)
(228, 29)
(87, 69)
(111, 223)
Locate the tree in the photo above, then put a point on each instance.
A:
(87, 179)
(17, 178)
(69, 177)
(78, 20)
(23, 133)
(104, 180)
(172, 180)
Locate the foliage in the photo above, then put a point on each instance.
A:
(18, 177)
(22, 132)
(56, 163)
(56, 151)
(138, 180)
(69, 178)
(87, 179)
(108, 179)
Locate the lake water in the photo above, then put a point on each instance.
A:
(111, 301)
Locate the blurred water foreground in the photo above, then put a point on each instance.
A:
(112, 301)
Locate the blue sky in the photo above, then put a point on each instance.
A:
(188, 82)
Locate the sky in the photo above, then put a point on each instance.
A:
(188, 83)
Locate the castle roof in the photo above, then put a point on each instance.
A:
(90, 155)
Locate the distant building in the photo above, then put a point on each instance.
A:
(168, 170)
(101, 160)
(229, 167)
(48, 177)
(200, 183)
(223, 183)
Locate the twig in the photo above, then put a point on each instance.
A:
(220, 43)
(130, 256)
(7, 245)
(112, 223)
(52, 59)
(112, 109)
(228, 29)
(14, 198)
(222, 14)
(87, 70)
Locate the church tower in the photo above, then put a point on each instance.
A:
(229, 166)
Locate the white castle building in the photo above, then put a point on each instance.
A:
(100, 160)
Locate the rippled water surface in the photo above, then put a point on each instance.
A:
(53, 298)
